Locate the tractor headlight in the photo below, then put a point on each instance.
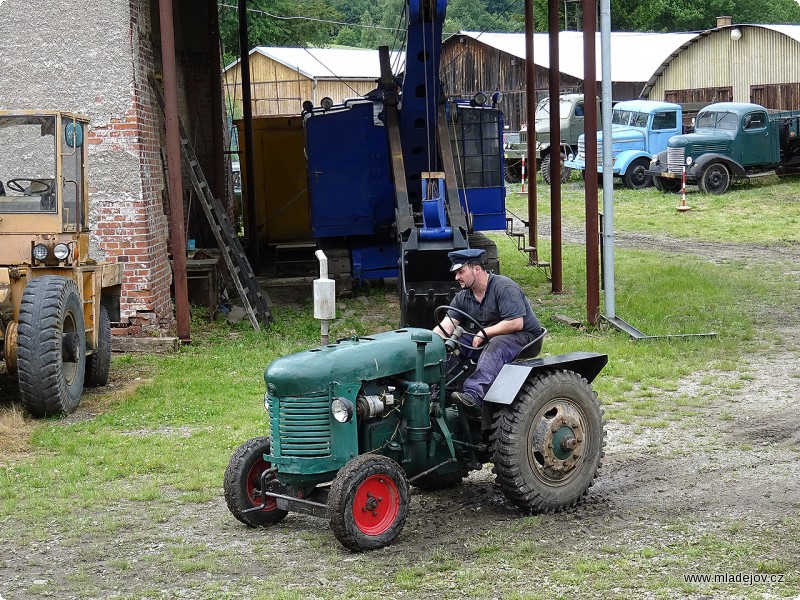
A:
(688, 161)
(61, 251)
(480, 98)
(342, 409)
(40, 252)
(326, 103)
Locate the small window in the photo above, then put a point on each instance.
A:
(756, 120)
(665, 120)
(579, 109)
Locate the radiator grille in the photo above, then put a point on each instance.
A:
(675, 158)
(301, 425)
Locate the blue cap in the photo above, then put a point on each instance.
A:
(462, 257)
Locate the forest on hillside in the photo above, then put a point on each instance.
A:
(369, 24)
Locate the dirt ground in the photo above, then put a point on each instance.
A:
(729, 472)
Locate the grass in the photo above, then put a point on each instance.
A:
(162, 438)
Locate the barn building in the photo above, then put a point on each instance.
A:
(473, 62)
(96, 58)
(739, 63)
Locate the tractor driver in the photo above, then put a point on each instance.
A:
(500, 306)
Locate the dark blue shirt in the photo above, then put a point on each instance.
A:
(504, 300)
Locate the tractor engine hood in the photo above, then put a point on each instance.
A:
(356, 359)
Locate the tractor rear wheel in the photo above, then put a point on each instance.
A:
(548, 443)
(98, 365)
(368, 502)
(242, 484)
(51, 346)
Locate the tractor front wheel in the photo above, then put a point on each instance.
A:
(51, 346)
(548, 443)
(368, 502)
(243, 481)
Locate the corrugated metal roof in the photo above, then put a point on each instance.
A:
(792, 31)
(634, 56)
(329, 63)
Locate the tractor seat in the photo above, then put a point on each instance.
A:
(532, 348)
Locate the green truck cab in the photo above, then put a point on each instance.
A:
(571, 114)
(731, 141)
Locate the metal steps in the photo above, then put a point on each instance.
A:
(521, 237)
(254, 300)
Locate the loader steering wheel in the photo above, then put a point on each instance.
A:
(43, 186)
(439, 317)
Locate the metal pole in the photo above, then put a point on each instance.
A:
(554, 84)
(590, 137)
(530, 109)
(608, 182)
(217, 104)
(175, 182)
(247, 113)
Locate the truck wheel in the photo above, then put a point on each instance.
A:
(51, 347)
(513, 171)
(666, 185)
(242, 484)
(636, 177)
(98, 364)
(548, 443)
(545, 170)
(368, 502)
(715, 179)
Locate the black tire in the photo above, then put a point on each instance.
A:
(98, 365)
(513, 171)
(51, 352)
(242, 484)
(666, 185)
(545, 170)
(716, 179)
(368, 502)
(535, 467)
(636, 176)
(440, 481)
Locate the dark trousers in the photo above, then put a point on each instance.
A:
(491, 357)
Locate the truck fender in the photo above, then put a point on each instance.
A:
(737, 171)
(512, 377)
(626, 157)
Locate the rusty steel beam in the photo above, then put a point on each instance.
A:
(530, 109)
(590, 139)
(175, 182)
(554, 85)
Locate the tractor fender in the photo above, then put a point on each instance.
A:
(623, 160)
(699, 165)
(514, 375)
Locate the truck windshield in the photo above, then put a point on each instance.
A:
(543, 108)
(27, 164)
(629, 117)
(717, 120)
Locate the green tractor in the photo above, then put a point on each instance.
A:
(352, 424)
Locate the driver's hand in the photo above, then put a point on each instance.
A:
(478, 340)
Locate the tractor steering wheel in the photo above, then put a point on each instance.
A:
(438, 317)
(46, 186)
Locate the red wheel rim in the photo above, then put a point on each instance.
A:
(376, 504)
(254, 485)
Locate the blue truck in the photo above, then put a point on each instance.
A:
(640, 129)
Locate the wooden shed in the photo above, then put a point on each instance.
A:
(738, 63)
(283, 78)
(473, 62)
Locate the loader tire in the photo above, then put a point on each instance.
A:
(548, 443)
(368, 502)
(242, 485)
(98, 365)
(51, 346)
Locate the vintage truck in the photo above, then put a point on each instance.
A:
(571, 113)
(639, 130)
(731, 141)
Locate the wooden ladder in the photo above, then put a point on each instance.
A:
(254, 300)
